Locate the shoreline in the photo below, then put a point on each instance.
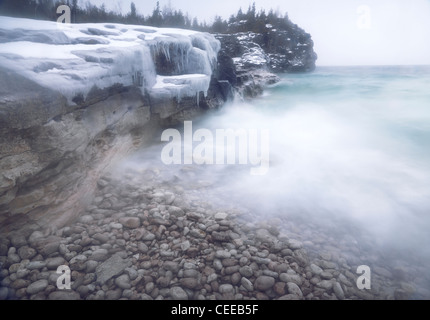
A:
(147, 238)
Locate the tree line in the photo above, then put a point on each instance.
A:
(242, 21)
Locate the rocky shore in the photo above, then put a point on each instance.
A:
(146, 238)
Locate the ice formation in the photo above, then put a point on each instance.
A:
(72, 58)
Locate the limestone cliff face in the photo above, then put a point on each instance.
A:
(52, 154)
(83, 100)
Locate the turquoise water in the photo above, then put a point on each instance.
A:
(349, 145)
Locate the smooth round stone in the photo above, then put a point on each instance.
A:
(286, 277)
(37, 286)
(90, 266)
(22, 273)
(326, 275)
(294, 289)
(189, 283)
(220, 216)
(4, 292)
(99, 255)
(185, 245)
(15, 267)
(177, 293)
(142, 247)
(263, 283)
(130, 222)
(247, 284)
(64, 295)
(86, 219)
(19, 283)
(54, 263)
(123, 281)
(315, 269)
(217, 264)
(235, 278)
(338, 291)
(18, 240)
(132, 273)
(36, 235)
(325, 284)
(191, 273)
(222, 254)
(13, 258)
(149, 287)
(26, 252)
(294, 244)
(116, 225)
(113, 294)
(212, 277)
(226, 288)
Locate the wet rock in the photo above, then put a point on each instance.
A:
(35, 265)
(64, 295)
(263, 283)
(177, 293)
(54, 263)
(315, 269)
(123, 281)
(113, 294)
(99, 255)
(338, 291)
(37, 286)
(246, 271)
(4, 293)
(190, 283)
(226, 288)
(295, 278)
(110, 268)
(325, 284)
(130, 222)
(293, 288)
(26, 252)
(222, 254)
(48, 245)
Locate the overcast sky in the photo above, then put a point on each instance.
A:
(345, 32)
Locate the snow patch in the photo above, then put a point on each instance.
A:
(72, 58)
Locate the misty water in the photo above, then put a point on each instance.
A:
(349, 153)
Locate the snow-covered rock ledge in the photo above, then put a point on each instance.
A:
(76, 98)
(74, 58)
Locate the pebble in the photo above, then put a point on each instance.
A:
(4, 292)
(54, 263)
(177, 293)
(37, 286)
(294, 289)
(64, 295)
(263, 283)
(315, 269)
(123, 281)
(338, 291)
(325, 284)
(99, 255)
(247, 284)
(130, 222)
(169, 246)
(26, 252)
(286, 277)
(226, 288)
